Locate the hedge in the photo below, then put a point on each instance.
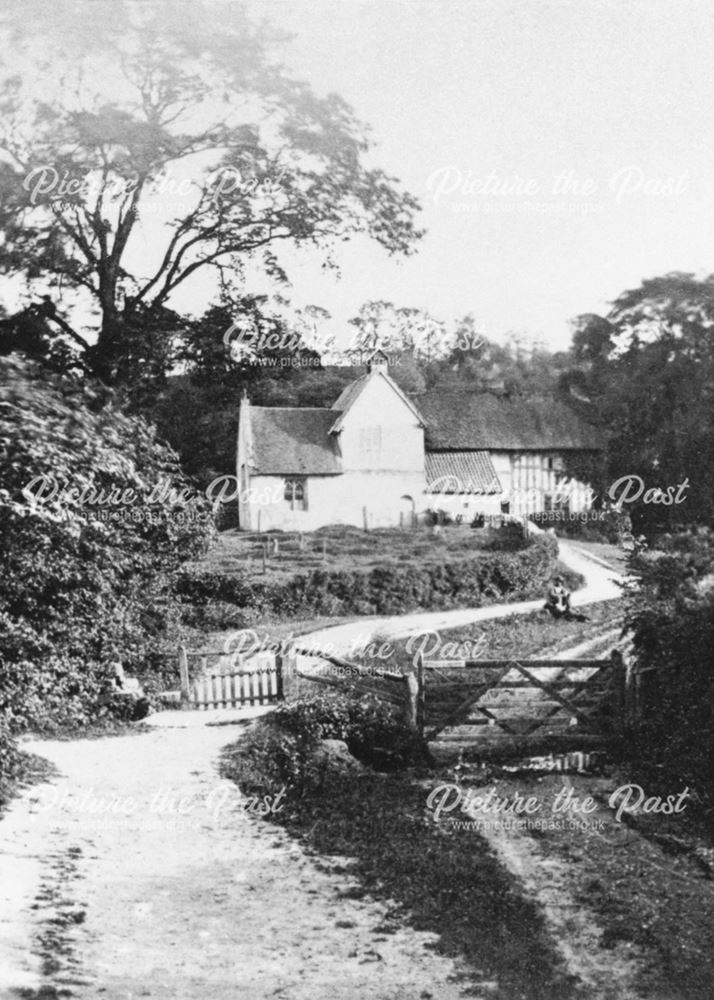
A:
(393, 588)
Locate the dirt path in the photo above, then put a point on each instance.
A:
(601, 584)
(601, 885)
(168, 888)
(139, 872)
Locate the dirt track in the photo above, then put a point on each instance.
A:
(139, 872)
(183, 895)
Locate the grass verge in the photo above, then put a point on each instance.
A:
(445, 881)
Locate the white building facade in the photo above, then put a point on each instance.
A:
(378, 458)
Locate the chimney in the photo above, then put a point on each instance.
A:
(378, 362)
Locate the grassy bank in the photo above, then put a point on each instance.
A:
(442, 880)
(429, 573)
(515, 636)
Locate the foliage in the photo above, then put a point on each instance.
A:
(76, 590)
(373, 731)
(386, 589)
(647, 370)
(190, 124)
(670, 616)
(283, 750)
(595, 526)
(9, 755)
(432, 871)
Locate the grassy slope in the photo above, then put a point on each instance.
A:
(517, 635)
(348, 548)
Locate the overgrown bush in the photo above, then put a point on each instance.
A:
(78, 591)
(389, 589)
(600, 526)
(282, 750)
(671, 620)
(9, 755)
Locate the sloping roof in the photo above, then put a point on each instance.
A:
(461, 472)
(293, 440)
(466, 420)
(351, 393)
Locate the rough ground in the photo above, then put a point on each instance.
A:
(184, 896)
(138, 872)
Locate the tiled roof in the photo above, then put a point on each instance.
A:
(466, 420)
(461, 472)
(293, 440)
(349, 394)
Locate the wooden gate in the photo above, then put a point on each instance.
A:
(521, 698)
(230, 683)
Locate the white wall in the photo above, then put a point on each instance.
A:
(397, 440)
(341, 499)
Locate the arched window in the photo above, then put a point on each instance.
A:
(296, 493)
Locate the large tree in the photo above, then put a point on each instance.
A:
(648, 370)
(134, 106)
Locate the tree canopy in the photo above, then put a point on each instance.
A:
(185, 128)
(647, 372)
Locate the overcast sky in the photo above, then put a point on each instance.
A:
(496, 114)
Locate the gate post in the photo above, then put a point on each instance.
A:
(421, 694)
(279, 660)
(619, 691)
(183, 674)
(411, 698)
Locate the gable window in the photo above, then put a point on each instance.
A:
(296, 492)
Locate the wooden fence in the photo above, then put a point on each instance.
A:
(227, 686)
(399, 690)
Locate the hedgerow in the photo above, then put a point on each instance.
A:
(389, 589)
(78, 592)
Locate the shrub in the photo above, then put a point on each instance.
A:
(671, 619)
(282, 750)
(9, 756)
(392, 588)
(601, 526)
(77, 592)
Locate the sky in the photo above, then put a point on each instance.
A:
(562, 151)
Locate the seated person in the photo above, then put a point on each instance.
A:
(558, 602)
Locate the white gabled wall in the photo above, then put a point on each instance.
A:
(381, 433)
(382, 447)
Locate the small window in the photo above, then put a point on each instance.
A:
(550, 464)
(296, 494)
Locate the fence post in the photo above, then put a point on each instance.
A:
(411, 699)
(421, 694)
(265, 550)
(183, 674)
(279, 661)
(619, 690)
(324, 549)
